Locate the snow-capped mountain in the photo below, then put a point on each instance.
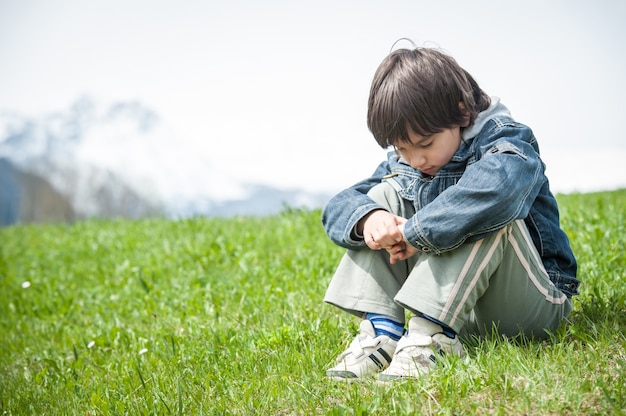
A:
(117, 160)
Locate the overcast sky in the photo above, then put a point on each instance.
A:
(276, 91)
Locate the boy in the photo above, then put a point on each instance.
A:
(458, 226)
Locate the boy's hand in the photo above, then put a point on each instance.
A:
(380, 230)
(401, 251)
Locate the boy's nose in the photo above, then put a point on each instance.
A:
(417, 161)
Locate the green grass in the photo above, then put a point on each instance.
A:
(225, 316)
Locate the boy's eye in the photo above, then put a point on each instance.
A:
(399, 149)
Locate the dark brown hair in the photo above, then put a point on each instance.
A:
(420, 89)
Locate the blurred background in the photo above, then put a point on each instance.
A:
(133, 108)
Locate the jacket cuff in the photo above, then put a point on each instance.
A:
(352, 237)
(411, 235)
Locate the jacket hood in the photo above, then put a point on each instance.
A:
(495, 109)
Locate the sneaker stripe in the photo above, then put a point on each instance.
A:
(376, 361)
(385, 355)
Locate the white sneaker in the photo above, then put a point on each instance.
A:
(368, 354)
(417, 351)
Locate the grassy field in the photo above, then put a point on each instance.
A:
(225, 316)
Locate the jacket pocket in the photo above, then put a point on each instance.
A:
(506, 147)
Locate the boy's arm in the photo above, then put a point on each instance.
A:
(344, 210)
(494, 191)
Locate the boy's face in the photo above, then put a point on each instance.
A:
(430, 153)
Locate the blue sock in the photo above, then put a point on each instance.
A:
(447, 331)
(385, 325)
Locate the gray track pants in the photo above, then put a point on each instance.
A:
(498, 282)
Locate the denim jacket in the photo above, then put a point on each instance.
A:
(495, 177)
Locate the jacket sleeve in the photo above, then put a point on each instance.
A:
(497, 189)
(345, 209)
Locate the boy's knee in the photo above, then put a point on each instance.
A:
(387, 196)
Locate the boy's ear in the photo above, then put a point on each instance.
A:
(466, 114)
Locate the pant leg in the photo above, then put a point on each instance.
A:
(498, 281)
(521, 298)
(365, 281)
